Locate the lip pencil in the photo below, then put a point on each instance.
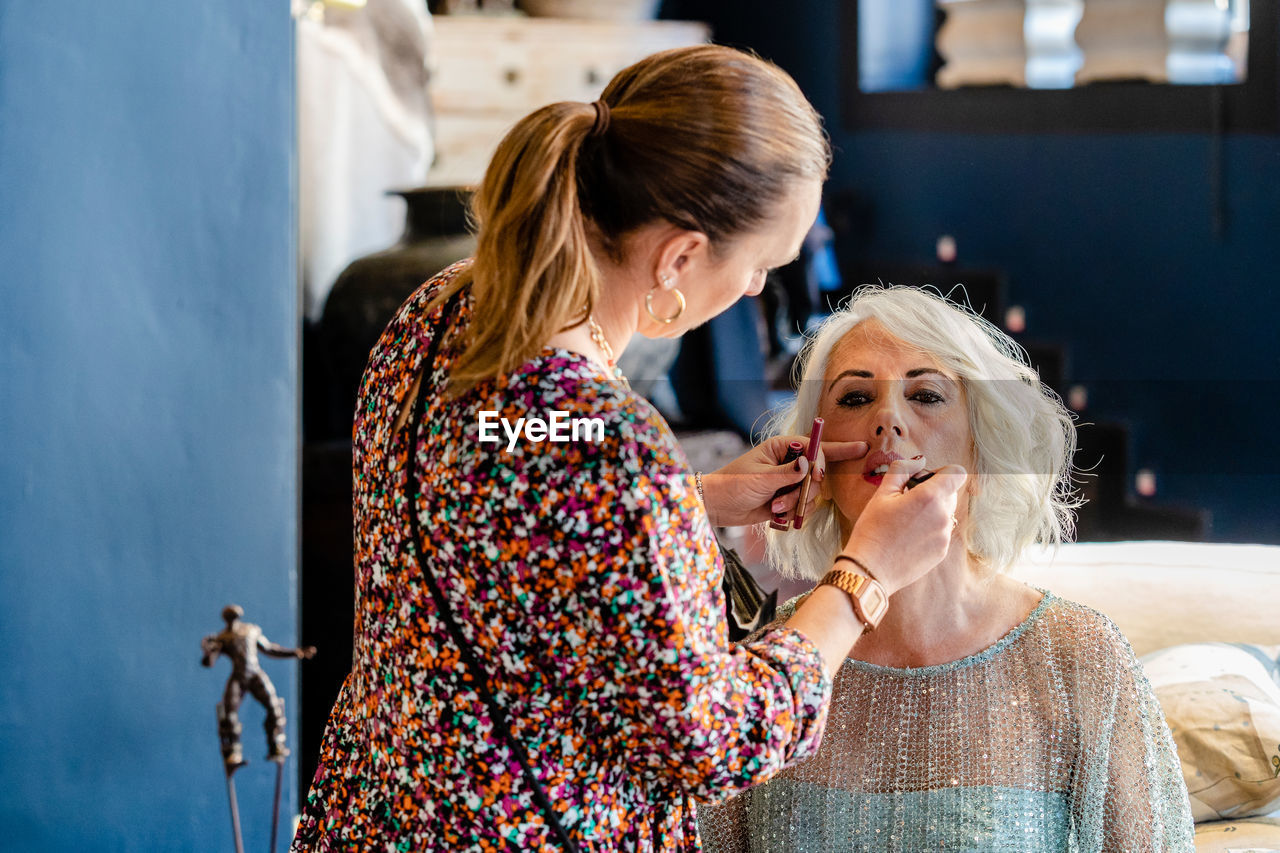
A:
(918, 478)
(811, 453)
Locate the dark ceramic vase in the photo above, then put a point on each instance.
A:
(369, 292)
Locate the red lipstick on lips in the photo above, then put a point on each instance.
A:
(874, 460)
(880, 457)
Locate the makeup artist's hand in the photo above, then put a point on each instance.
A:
(903, 534)
(742, 491)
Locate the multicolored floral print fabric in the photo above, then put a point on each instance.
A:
(585, 577)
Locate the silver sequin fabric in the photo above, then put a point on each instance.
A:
(1049, 740)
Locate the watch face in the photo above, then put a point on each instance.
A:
(874, 602)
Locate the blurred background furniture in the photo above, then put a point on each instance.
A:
(364, 127)
(1165, 594)
(489, 72)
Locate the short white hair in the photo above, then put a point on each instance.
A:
(1023, 436)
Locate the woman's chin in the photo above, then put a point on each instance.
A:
(846, 520)
(849, 509)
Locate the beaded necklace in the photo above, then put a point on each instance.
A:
(597, 336)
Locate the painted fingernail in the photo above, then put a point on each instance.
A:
(779, 522)
(778, 507)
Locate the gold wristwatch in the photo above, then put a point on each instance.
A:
(869, 599)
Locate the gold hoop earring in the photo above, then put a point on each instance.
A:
(648, 305)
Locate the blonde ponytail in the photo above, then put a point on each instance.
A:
(533, 274)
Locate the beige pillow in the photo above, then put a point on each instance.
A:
(1222, 703)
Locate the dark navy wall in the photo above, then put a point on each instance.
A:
(148, 411)
(1108, 240)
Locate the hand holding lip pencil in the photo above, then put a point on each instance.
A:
(793, 452)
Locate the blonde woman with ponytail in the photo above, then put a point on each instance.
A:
(541, 661)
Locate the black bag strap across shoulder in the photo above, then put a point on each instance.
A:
(496, 712)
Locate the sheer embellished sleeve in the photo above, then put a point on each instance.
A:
(725, 827)
(1128, 792)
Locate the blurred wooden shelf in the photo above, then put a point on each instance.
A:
(490, 72)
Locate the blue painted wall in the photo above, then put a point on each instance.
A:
(148, 411)
(1108, 241)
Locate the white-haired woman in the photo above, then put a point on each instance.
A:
(981, 714)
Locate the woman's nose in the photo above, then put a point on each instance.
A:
(888, 418)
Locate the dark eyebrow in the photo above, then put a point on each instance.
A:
(911, 374)
(862, 374)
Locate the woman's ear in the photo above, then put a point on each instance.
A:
(677, 252)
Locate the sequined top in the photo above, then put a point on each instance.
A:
(1049, 740)
(585, 576)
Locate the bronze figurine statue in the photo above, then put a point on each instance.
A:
(241, 642)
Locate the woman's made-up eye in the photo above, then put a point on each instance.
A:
(853, 399)
(927, 396)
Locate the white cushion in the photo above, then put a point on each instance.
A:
(1165, 594)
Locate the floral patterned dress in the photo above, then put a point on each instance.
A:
(585, 577)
